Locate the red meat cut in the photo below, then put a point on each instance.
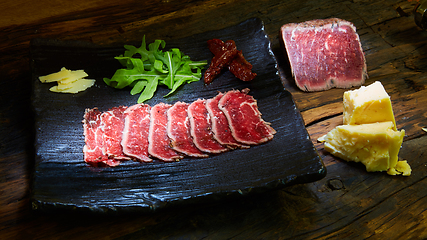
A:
(135, 132)
(158, 140)
(220, 128)
(112, 124)
(94, 139)
(244, 118)
(93, 136)
(170, 132)
(178, 129)
(200, 128)
(324, 53)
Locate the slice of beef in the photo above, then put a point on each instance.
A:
(158, 140)
(220, 128)
(200, 128)
(324, 54)
(93, 137)
(94, 140)
(244, 118)
(178, 129)
(112, 124)
(135, 133)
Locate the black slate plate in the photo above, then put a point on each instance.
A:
(62, 180)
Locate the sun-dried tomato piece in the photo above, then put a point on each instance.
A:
(227, 55)
(215, 46)
(241, 68)
(223, 58)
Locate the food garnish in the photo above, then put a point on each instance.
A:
(227, 55)
(145, 69)
(68, 81)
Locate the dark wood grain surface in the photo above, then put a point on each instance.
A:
(348, 203)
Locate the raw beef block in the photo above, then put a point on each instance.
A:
(324, 53)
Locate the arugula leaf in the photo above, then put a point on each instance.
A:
(186, 75)
(138, 87)
(145, 69)
(149, 90)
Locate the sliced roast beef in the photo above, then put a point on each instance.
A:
(93, 136)
(112, 123)
(178, 129)
(158, 140)
(94, 140)
(244, 118)
(135, 132)
(220, 128)
(169, 132)
(200, 128)
(324, 54)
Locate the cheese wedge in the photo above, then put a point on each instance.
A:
(376, 145)
(368, 104)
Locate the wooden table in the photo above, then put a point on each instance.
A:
(348, 203)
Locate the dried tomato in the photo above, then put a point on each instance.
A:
(227, 55)
(241, 68)
(224, 56)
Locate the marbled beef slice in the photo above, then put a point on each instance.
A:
(94, 140)
(112, 124)
(158, 140)
(178, 130)
(135, 133)
(201, 128)
(220, 128)
(244, 118)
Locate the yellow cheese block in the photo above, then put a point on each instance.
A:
(376, 145)
(368, 104)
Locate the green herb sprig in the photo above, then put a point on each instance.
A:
(145, 69)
